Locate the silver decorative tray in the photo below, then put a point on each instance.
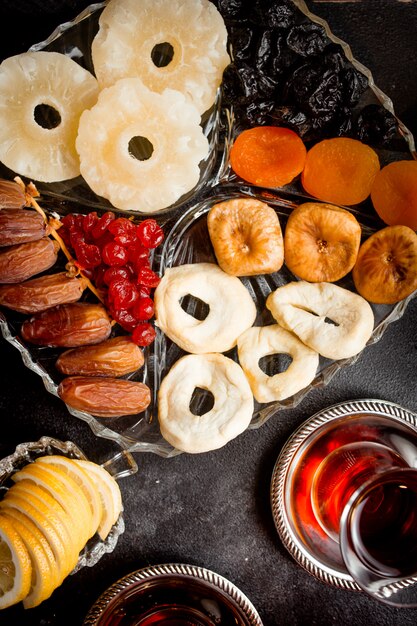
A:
(367, 420)
(179, 573)
(187, 241)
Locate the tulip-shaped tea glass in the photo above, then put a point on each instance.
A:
(364, 495)
(344, 498)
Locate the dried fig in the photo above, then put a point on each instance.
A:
(21, 226)
(104, 397)
(246, 237)
(39, 294)
(115, 357)
(321, 242)
(20, 262)
(386, 269)
(68, 326)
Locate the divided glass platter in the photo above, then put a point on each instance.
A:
(187, 241)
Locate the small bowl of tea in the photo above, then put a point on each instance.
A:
(173, 595)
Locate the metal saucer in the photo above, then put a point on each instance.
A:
(294, 519)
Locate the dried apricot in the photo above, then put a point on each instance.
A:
(321, 242)
(394, 193)
(386, 268)
(340, 170)
(269, 156)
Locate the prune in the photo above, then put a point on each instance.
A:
(233, 9)
(273, 56)
(375, 125)
(327, 95)
(341, 125)
(307, 39)
(354, 85)
(242, 43)
(292, 118)
(302, 83)
(258, 113)
(276, 14)
(231, 85)
(254, 84)
(334, 58)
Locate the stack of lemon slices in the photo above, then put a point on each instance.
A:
(54, 507)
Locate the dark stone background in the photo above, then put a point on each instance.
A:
(213, 509)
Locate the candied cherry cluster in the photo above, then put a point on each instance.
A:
(114, 253)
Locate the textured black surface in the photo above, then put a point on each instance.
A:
(213, 509)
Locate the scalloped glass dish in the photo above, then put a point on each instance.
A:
(187, 241)
(27, 453)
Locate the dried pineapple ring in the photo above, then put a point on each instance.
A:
(132, 33)
(171, 125)
(33, 82)
(257, 342)
(232, 309)
(229, 416)
(303, 307)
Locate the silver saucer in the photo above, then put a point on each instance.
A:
(173, 569)
(307, 544)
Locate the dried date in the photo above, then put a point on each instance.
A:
(21, 226)
(40, 294)
(22, 261)
(104, 397)
(68, 326)
(12, 195)
(115, 357)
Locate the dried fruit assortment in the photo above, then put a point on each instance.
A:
(112, 252)
(286, 71)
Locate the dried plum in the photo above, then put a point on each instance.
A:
(302, 83)
(307, 39)
(327, 95)
(275, 14)
(254, 84)
(233, 9)
(242, 43)
(354, 85)
(258, 113)
(376, 125)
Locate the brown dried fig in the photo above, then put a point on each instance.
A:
(39, 294)
(21, 226)
(104, 397)
(20, 262)
(321, 242)
(68, 326)
(115, 357)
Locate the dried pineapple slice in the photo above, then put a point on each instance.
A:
(169, 122)
(30, 84)
(133, 33)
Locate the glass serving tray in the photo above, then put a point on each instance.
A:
(187, 241)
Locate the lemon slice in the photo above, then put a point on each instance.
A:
(66, 549)
(43, 581)
(15, 565)
(82, 478)
(18, 518)
(109, 492)
(71, 499)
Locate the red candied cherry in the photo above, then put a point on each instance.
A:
(99, 276)
(143, 309)
(73, 222)
(144, 291)
(124, 318)
(147, 277)
(89, 221)
(138, 255)
(102, 224)
(88, 255)
(123, 230)
(122, 293)
(113, 273)
(144, 334)
(114, 254)
(150, 233)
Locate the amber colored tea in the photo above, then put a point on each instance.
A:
(173, 601)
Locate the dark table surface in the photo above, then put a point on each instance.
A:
(213, 509)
